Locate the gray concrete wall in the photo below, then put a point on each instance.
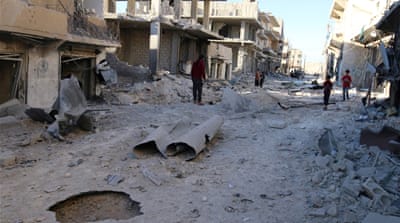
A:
(165, 50)
(43, 77)
(354, 58)
(135, 46)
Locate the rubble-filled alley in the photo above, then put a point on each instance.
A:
(265, 162)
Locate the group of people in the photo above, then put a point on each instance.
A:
(328, 85)
(198, 74)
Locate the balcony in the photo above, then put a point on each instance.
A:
(224, 10)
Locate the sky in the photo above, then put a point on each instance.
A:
(305, 23)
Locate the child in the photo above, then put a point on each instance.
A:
(327, 91)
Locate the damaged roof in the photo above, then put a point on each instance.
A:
(390, 22)
(387, 25)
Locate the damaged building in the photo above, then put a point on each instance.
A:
(367, 46)
(167, 36)
(61, 38)
(42, 42)
(155, 34)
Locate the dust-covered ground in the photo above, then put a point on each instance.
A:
(264, 165)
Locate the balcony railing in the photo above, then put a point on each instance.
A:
(223, 10)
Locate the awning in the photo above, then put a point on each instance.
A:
(387, 25)
(335, 44)
(202, 33)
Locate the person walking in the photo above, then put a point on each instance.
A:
(327, 91)
(262, 77)
(198, 74)
(257, 78)
(346, 84)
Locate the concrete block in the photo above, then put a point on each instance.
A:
(350, 217)
(8, 121)
(322, 161)
(351, 187)
(332, 211)
(6, 105)
(320, 212)
(7, 159)
(375, 218)
(14, 108)
(380, 198)
(366, 172)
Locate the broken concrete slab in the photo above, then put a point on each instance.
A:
(380, 198)
(8, 121)
(351, 187)
(322, 161)
(193, 142)
(277, 124)
(72, 101)
(158, 140)
(234, 102)
(7, 159)
(375, 218)
(327, 143)
(114, 179)
(387, 138)
(14, 108)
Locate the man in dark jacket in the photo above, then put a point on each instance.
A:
(198, 75)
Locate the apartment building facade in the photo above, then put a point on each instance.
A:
(362, 41)
(270, 41)
(237, 23)
(160, 35)
(44, 41)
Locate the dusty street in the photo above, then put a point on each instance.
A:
(262, 166)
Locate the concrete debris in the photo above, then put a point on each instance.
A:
(380, 198)
(8, 121)
(350, 217)
(332, 211)
(320, 212)
(193, 142)
(71, 103)
(351, 187)
(151, 176)
(277, 124)
(132, 74)
(114, 179)
(158, 140)
(14, 108)
(8, 159)
(322, 161)
(375, 218)
(39, 115)
(387, 138)
(235, 102)
(327, 143)
(107, 74)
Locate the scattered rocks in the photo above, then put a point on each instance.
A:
(332, 211)
(319, 212)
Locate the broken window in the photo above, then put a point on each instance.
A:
(10, 74)
(82, 67)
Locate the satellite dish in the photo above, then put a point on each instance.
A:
(385, 58)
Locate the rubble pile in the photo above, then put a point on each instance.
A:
(355, 181)
(169, 89)
(128, 73)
